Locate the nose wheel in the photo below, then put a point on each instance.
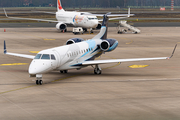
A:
(39, 79)
(39, 82)
(97, 70)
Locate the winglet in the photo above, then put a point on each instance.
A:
(5, 51)
(173, 52)
(129, 12)
(5, 12)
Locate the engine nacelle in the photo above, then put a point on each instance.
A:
(99, 26)
(108, 45)
(74, 40)
(61, 26)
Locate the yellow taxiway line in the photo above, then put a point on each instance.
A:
(49, 39)
(138, 66)
(34, 51)
(13, 64)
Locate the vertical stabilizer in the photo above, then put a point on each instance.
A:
(103, 32)
(59, 6)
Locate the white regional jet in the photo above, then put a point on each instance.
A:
(73, 18)
(76, 54)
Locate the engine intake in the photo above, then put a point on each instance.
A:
(108, 45)
(99, 26)
(61, 26)
(74, 40)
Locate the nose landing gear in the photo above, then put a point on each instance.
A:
(39, 82)
(39, 79)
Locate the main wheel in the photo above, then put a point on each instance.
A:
(40, 82)
(65, 71)
(97, 71)
(37, 82)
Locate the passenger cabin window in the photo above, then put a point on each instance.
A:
(38, 56)
(45, 57)
(53, 57)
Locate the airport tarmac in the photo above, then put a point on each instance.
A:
(113, 24)
(146, 90)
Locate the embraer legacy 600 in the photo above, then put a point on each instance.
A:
(76, 54)
(73, 18)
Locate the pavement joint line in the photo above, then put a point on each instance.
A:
(34, 36)
(17, 105)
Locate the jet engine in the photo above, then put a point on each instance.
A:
(108, 45)
(99, 26)
(74, 40)
(61, 26)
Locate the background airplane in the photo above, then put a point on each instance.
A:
(73, 18)
(76, 54)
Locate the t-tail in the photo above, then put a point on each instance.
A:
(59, 6)
(104, 29)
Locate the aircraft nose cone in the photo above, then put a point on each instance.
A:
(39, 67)
(95, 23)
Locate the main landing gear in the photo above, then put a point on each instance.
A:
(63, 71)
(97, 70)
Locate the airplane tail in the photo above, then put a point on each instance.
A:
(59, 6)
(103, 32)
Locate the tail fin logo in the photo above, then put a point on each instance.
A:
(59, 5)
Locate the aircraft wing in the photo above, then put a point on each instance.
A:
(30, 18)
(18, 55)
(44, 12)
(117, 18)
(95, 62)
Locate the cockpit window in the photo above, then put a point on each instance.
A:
(45, 56)
(53, 57)
(38, 56)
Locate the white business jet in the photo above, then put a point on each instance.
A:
(76, 54)
(73, 18)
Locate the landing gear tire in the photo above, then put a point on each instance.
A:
(85, 29)
(97, 70)
(91, 32)
(39, 82)
(63, 71)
